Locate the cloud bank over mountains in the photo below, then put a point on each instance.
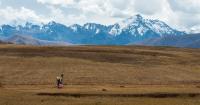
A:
(180, 14)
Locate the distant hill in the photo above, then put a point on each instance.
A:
(27, 40)
(189, 41)
(3, 42)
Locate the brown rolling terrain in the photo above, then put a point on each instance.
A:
(113, 75)
(99, 65)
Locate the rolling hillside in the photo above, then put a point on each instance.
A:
(189, 41)
(28, 40)
(129, 65)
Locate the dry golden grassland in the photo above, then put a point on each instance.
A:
(99, 75)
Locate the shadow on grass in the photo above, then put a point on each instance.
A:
(148, 95)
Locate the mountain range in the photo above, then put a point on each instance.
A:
(135, 29)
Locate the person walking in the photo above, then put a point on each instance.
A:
(62, 76)
(59, 81)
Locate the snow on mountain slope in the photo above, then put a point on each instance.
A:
(95, 28)
(138, 26)
(125, 24)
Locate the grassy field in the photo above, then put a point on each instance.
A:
(99, 75)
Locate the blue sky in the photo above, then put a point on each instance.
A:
(181, 14)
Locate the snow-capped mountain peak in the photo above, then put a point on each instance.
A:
(138, 26)
(132, 21)
(52, 23)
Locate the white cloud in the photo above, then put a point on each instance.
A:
(56, 2)
(57, 15)
(10, 15)
(102, 10)
(149, 7)
(188, 13)
(187, 6)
